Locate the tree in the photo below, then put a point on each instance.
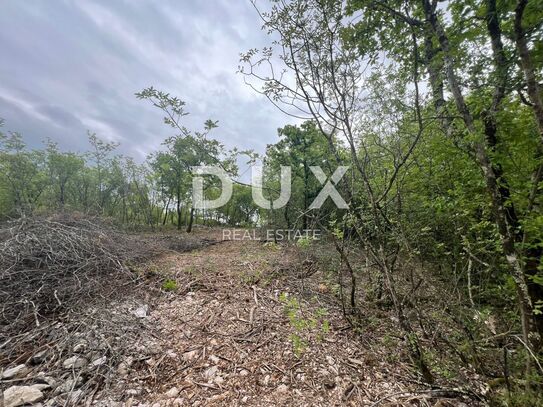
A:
(100, 156)
(62, 169)
(322, 79)
(300, 148)
(184, 150)
(22, 172)
(482, 85)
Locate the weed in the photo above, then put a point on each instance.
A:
(304, 242)
(169, 285)
(191, 270)
(304, 323)
(250, 277)
(298, 345)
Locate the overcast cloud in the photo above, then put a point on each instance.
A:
(69, 66)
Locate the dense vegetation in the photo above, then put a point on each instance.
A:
(437, 110)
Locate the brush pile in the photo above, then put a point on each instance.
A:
(48, 265)
(75, 296)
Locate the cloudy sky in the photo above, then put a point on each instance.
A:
(68, 66)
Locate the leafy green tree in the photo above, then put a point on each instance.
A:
(62, 168)
(486, 75)
(300, 148)
(184, 151)
(241, 209)
(22, 172)
(101, 159)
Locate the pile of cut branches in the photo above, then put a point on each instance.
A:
(49, 264)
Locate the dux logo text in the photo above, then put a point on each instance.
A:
(328, 190)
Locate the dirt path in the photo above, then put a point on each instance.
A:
(220, 323)
(237, 332)
(197, 321)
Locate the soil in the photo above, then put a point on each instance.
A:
(246, 323)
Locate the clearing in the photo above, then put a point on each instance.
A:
(246, 326)
(227, 323)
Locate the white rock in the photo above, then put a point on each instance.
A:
(16, 371)
(190, 356)
(75, 362)
(122, 369)
(282, 388)
(99, 361)
(210, 373)
(141, 312)
(244, 372)
(20, 395)
(172, 393)
(214, 359)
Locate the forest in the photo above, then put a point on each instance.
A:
(436, 110)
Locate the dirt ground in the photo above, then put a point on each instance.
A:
(242, 323)
(237, 331)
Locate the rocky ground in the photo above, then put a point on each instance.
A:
(229, 323)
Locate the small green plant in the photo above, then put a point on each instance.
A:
(251, 277)
(389, 341)
(298, 345)
(304, 242)
(304, 323)
(321, 314)
(169, 285)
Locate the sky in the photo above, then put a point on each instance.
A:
(68, 66)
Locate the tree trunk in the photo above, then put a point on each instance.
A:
(178, 208)
(166, 211)
(62, 195)
(191, 220)
(306, 192)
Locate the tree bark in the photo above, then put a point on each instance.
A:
(166, 211)
(178, 208)
(191, 220)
